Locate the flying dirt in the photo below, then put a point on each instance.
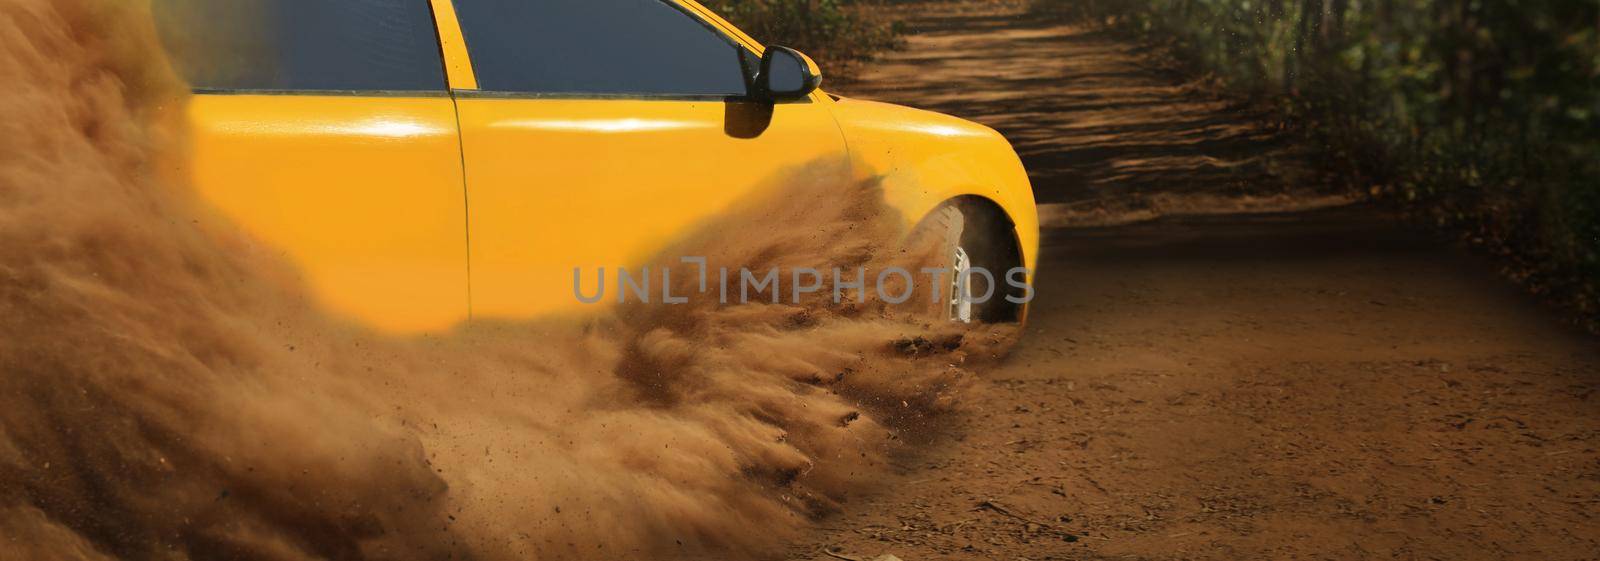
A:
(167, 391)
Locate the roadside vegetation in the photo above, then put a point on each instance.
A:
(1482, 116)
(836, 33)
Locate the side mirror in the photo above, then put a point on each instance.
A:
(786, 75)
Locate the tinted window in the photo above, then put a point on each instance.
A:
(597, 47)
(366, 45)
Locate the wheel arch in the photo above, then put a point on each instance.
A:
(995, 235)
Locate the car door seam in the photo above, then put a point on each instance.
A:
(466, 193)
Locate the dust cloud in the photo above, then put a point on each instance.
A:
(168, 392)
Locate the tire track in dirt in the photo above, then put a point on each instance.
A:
(1225, 361)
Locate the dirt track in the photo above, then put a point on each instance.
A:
(1224, 362)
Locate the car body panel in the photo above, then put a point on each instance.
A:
(926, 159)
(364, 195)
(556, 185)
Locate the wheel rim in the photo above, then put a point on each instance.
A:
(961, 287)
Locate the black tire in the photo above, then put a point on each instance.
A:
(987, 239)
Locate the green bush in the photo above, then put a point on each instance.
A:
(831, 31)
(1483, 114)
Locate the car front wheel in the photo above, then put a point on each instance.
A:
(979, 251)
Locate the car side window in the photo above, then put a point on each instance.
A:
(598, 47)
(303, 45)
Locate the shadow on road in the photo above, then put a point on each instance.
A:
(1107, 136)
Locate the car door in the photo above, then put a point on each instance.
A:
(598, 131)
(326, 131)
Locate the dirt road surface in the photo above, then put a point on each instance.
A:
(1224, 362)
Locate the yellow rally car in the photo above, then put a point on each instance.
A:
(425, 162)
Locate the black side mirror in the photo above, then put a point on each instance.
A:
(786, 75)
